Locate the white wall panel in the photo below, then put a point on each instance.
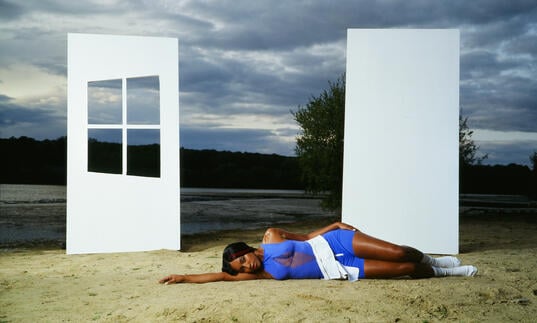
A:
(400, 179)
(121, 212)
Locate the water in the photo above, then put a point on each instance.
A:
(232, 191)
(31, 213)
(31, 193)
(38, 212)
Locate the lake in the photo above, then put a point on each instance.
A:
(34, 213)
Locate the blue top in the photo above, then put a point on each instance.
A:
(290, 259)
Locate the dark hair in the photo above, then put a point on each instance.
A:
(232, 252)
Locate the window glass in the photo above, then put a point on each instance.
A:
(104, 102)
(105, 151)
(106, 127)
(143, 100)
(143, 152)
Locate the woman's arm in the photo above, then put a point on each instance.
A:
(209, 278)
(275, 235)
(331, 227)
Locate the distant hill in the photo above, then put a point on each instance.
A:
(224, 169)
(25, 160)
(28, 161)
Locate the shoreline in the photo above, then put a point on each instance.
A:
(190, 240)
(48, 285)
(34, 216)
(39, 282)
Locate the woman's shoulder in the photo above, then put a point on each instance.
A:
(273, 235)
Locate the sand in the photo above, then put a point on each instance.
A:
(43, 284)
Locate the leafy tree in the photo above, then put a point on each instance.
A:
(467, 147)
(319, 146)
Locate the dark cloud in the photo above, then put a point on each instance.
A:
(226, 87)
(40, 123)
(260, 58)
(9, 10)
(285, 26)
(55, 67)
(484, 64)
(223, 84)
(523, 45)
(12, 113)
(505, 103)
(496, 34)
(484, 12)
(76, 8)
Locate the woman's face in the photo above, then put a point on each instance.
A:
(249, 263)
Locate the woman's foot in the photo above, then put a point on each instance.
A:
(467, 271)
(443, 262)
(447, 262)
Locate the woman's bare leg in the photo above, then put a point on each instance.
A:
(367, 247)
(388, 269)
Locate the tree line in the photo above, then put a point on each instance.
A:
(25, 160)
(28, 161)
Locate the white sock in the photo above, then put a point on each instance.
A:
(455, 271)
(444, 262)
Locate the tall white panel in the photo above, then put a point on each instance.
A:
(122, 94)
(400, 179)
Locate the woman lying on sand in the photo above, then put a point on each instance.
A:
(337, 251)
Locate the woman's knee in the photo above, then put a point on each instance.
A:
(405, 253)
(416, 270)
(422, 271)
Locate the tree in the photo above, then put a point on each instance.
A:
(319, 146)
(533, 160)
(533, 176)
(467, 147)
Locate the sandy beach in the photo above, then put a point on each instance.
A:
(47, 285)
(39, 282)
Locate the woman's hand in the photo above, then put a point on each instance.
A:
(172, 279)
(205, 278)
(345, 226)
(333, 226)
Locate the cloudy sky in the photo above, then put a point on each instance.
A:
(245, 64)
